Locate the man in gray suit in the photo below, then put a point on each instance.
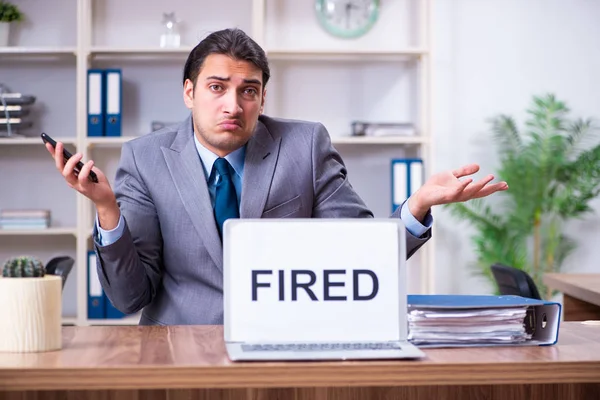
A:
(158, 235)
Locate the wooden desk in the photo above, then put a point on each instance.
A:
(581, 295)
(189, 362)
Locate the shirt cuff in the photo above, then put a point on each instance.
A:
(413, 226)
(106, 238)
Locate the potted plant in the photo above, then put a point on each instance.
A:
(552, 167)
(31, 312)
(8, 13)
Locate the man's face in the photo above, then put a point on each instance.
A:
(226, 101)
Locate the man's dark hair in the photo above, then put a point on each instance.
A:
(231, 42)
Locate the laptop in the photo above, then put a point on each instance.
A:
(315, 289)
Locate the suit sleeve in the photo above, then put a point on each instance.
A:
(130, 269)
(335, 196)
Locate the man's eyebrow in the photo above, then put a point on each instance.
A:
(255, 81)
(220, 78)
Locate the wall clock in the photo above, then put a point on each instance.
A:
(347, 18)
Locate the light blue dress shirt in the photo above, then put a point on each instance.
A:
(236, 159)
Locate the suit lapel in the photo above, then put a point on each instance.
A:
(187, 172)
(262, 152)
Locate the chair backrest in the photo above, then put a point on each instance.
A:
(513, 281)
(60, 266)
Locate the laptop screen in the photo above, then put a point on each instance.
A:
(290, 280)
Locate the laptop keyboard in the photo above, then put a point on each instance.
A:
(321, 347)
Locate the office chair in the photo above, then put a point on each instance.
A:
(513, 281)
(60, 266)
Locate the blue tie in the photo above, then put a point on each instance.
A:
(226, 204)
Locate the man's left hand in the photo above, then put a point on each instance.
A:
(447, 187)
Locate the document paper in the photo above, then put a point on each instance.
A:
(469, 326)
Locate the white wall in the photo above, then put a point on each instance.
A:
(491, 57)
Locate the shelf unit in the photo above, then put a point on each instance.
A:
(39, 232)
(38, 51)
(340, 55)
(32, 141)
(358, 140)
(118, 141)
(93, 49)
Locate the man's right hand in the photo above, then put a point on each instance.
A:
(100, 193)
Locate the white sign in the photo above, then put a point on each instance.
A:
(313, 280)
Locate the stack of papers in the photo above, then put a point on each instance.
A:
(468, 326)
(14, 111)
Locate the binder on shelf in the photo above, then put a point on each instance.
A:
(473, 320)
(407, 177)
(112, 122)
(96, 297)
(95, 103)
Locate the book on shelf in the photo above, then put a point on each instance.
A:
(378, 129)
(21, 219)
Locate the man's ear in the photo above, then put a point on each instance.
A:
(188, 94)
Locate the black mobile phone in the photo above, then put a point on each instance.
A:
(66, 155)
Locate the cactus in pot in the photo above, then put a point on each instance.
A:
(30, 319)
(23, 267)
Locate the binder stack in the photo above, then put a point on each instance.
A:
(104, 102)
(464, 321)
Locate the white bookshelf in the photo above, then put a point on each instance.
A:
(35, 141)
(358, 140)
(39, 232)
(365, 55)
(128, 320)
(70, 321)
(133, 51)
(384, 75)
(363, 140)
(108, 141)
(38, 51)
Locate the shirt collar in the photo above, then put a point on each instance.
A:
(235, 158)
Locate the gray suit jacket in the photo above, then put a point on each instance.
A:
(169, 259)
